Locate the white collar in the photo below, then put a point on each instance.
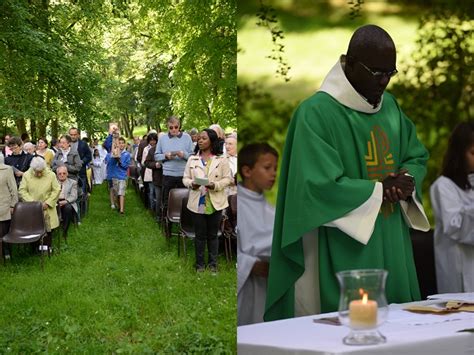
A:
(337, 85)
(253, 195)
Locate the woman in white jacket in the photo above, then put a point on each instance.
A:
(207, 174)
(452, 198)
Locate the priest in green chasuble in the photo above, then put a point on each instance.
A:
(350, 186)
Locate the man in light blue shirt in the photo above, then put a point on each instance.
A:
(173, 150)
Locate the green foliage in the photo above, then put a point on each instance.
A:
(84, 63)
(435, 90)
(46, 64)
(117, 288)
(200, 39)
(262, 118)
(267, 19)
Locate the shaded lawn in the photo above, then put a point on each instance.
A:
(116, 288)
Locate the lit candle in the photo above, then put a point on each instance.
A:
(363, 313)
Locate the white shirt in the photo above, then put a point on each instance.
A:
(255, 220)
(454, 236)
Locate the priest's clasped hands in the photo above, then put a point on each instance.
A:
(398, 186)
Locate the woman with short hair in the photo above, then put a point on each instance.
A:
(39, 183)
(43, 150)
(18, 160)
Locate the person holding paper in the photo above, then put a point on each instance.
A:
(207, 174)
(452, 198)
(349, 187)
(173, 151)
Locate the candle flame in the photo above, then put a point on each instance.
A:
(364, 298)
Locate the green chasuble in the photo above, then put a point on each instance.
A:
(332, 158)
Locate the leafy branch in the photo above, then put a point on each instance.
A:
(356, 6)
(267, 19)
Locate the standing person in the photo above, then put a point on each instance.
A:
(6, 149)
(29, 148)
(18, 160)
(452, 198)
(55, 145)
(43, 150)
(173, 150)
(352, 173)
(257, 168)
(118, 173)
(194, 134)
(231, 153)
(207, 201)
(39, 184)
(68, 157)
(157, 175)
(221, 134)
(82, 148)
(152, 139)
(136, 142)
(9, 196)
(67, 201)
(98, 167)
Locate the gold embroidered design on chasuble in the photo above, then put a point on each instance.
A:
(379, 161)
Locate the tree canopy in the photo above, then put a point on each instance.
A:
(77, 62)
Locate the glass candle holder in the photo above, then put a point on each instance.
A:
(362, 305)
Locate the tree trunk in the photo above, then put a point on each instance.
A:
(20, 126)
(33, 129)
(54, 128)
(126, 124)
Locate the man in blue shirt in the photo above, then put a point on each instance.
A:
(173, 150)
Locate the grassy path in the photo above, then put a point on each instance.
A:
(117, 288)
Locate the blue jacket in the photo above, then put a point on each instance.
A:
(117, 169)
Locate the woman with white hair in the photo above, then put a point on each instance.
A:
(39, 183)
(231, 154)
(9, 195)
(29, 148)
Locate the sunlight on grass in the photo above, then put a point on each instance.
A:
(311, 54)
(117, 288)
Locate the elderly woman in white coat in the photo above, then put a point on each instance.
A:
(8, 195)
(452, 198)
(39, 183)
(207, 174)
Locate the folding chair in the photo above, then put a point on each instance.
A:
(27, 226)
(175, 199)
(186, 225)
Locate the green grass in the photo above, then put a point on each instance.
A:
(117, 288)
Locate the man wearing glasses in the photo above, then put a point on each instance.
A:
(350, 186)
(173, 150)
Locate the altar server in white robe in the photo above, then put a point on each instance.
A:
(257, 167)
(452, 198)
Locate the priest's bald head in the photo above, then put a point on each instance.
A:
(370, 62)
